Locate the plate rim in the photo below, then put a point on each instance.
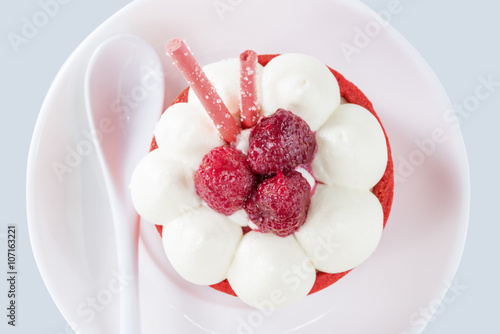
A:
(50, 97)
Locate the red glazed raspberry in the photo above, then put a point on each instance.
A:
(224, 179)
(280, 142)
(279, 204)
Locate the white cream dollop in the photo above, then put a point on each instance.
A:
(240, 218)
(352, 150)
(201, 244)
(300, 84)
(243, 141)
(162, 188)
(270, 272)
(225, 76)
(343, 228)
(190, 141)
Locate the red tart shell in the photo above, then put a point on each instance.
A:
(384, 189)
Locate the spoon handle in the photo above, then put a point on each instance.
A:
(126, 225)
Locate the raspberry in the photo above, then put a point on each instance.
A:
(279, 204)
(224, 179)
(280, 142)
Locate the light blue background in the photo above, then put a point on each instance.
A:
(459, 40)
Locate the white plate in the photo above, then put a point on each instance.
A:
(70, 225)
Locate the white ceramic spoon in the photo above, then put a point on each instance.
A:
(124, 90)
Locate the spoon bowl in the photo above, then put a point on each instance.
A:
(124, 89)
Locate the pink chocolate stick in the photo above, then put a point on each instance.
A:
(248, 87)
(203, 89)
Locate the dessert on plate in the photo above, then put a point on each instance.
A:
(269, 178)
